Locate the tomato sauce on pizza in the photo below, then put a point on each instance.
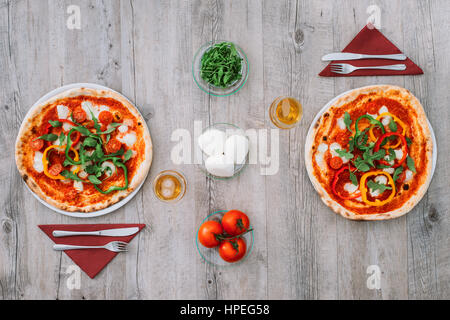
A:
(370, 153)
(84, 151)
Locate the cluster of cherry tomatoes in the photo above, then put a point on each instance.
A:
(227, 235)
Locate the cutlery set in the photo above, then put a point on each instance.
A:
(115, 246)
(344, 68)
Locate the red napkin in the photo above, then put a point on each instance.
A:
(371, 41)
(91, 261)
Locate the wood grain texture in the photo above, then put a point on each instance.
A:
(144, 49)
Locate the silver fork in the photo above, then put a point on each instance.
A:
(345, 68)
(115, 246)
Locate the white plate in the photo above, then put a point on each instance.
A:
(77, 213)
(328, 105)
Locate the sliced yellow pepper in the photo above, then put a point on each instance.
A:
(400, 122)
(45, 162)
(363, 188)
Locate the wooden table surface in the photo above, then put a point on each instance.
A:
(144, 49)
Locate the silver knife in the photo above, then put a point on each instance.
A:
(357, 56)
(120, 232)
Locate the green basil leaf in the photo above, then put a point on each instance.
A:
(48, 137)
(410, 164)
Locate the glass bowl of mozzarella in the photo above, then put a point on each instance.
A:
(224, 148)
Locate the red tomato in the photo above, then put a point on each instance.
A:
(36, 144)
(401, 177)
(113, 146)
(235, 222)
(79, 115)
(55, 169)
(232, 250)
(208, 232)
(105, 117)
(89, 124)
(336, 163)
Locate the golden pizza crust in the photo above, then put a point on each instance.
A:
(423, 123)
(35, 113)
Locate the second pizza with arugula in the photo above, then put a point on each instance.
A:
(84, 149)
(369, 155)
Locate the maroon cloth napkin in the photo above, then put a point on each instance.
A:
(371, 41)
(91, 261)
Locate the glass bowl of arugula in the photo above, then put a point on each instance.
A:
(220, 68)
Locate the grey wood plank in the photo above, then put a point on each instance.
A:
(9, 217)
(302, 261)
(162, 55)
(234, 21)
(428, 240)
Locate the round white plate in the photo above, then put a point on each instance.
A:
(76, 213)
(328, 105)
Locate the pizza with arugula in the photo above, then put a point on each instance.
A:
(369, 156)
(83, 150)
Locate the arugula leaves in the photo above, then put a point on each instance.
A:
(61, 138)
(408, 141)
(410, 164)
(367, 161)
(393, 125)
(96, 157)
(127, 155)
(391, 155)
(70, 175)
(345, 154)
(221, 65)
(398, 171)
(48, 137)
(55, 124)
(378, 186)
(353, 178)
(347, 121)
(94, 180)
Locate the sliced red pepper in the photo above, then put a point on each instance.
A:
(46, 128)
(336, 179)
(404, 148)
(76, 139)
(67, 121)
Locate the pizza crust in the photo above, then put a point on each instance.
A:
(35, 113)
(411, 202)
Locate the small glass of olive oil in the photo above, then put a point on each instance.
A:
(285, 112)
(169, 186)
